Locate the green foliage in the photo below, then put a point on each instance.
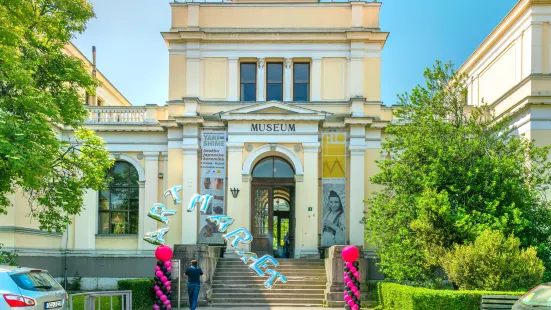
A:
(8, 257)
(142, 292)
(73, 285)
(494, 262)
(41, 103)
(394, 296)
(454, 171)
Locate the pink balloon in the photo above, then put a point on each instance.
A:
(163, 279)
(357, 274)
(357, 293)
(169, 269)
(156, 288)
(168, 307)
(167, 263)
(349, 265)
(159, 293)
(168, 288)
(353, 269)
(166, 302)
(354, 289)
(347, 298)
(350, 302)
(163, 298)
(349, 284)
(156, 307)
(157, 268)
(350, 253)
(167, 283)
(355, 307)
(346, 279)
(159, 274)
(163, 253)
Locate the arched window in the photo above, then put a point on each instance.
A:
(273, 167)
(119, 204)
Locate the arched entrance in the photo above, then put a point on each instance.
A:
(272, 211)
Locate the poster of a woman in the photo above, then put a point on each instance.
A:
(334, 219)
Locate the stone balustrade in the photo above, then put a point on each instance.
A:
(132, 115)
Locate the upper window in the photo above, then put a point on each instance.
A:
(274, 82)
(301, 82)
(248, 82)
(273, 167)
(119, 204)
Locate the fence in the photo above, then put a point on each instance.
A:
(90, 300)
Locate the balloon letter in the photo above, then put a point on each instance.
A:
(159, 213)
(241, 235)
(204, 200)
(247, 256)
(156, 237)
(174, 193)
(274, 276)
(223, 221)
(263, 263)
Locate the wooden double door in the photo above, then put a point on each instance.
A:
(273, 218)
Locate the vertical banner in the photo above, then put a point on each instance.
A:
(334, 189)
(213, 178)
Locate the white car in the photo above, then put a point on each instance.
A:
(30, 289)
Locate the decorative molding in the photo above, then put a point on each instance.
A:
(134, 162)
(31, 231)
(288, 62)
(235, 146)
(311, 147)
(260, 63)
(141, 184)
(246, 178)
(299, 178)
(287, 152)
(151, 156)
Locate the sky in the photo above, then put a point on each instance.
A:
(132, 54)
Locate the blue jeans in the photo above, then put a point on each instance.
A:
(193, 292)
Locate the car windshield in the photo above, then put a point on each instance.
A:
(540, 296)
(36, 281)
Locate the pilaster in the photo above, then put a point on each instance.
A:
(190, 185)
(142, 216)
(151, 194)
(235, 206)
(233, 69)
(260, 75)
(357, 184)
(316, 77)
(287, 80)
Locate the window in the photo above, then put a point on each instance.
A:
(119, 204)
(248, 82)
(301, 82)
(273, 167)
(101, 102)
(274, 82)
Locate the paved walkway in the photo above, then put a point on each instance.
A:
(262, 308)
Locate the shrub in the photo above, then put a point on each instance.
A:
(493, 262)
(394, 296)
(143, 295)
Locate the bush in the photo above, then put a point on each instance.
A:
(402, 297)
(143, 295)
(493, 262)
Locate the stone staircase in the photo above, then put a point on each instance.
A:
(234, 285)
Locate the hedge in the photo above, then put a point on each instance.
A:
(394, 296)
(143, 295)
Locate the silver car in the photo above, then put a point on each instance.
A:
(537, 298)
(30, 289)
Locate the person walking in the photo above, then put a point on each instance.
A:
(193, 274)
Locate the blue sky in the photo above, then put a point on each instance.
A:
(132, 54)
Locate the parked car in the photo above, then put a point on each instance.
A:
(537, 298)
(30, 289)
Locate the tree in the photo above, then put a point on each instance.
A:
(45, 152)
(454, 172)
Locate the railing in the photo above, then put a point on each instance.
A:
(90, 300)
(116, 115)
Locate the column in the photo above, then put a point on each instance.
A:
(307, 202)
(287, 80)
(357, 55)
(193, 70)
(537, 50)
(151, 194)
(315, 82)
(190, 187)
(233, 69)
(142, 216)
(235, 207)
(357, 184)
(260, 79)
(174, 177)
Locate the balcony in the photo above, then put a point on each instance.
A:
(116, 115)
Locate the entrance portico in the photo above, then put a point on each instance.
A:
(289, 133)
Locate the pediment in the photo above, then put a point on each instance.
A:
(272, 110)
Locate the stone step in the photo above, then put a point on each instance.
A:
(259, 285)
(272, 300)
(255, 305)
(290, 278)
(266, 295)
(281, 262)
(228, 272)
(275, 289)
